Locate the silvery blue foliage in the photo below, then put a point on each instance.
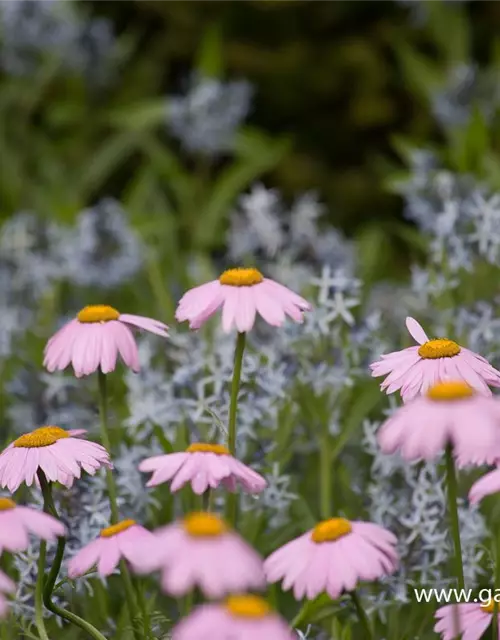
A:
(37, 398)
(460, 216)
(467, 88)
(102, 250)
(36, 253)
(206, 119)
(419, 8)
(262, 226)
(32, 31)
(417, 515)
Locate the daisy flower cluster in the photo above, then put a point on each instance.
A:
(218, 442)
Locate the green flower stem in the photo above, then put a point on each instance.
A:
(451, 478)
(232, 498)
(103, 410)
(39, 623)
(363, 618)
(134, 612)
(325, 477)
(139, 589)
(49, 582)
(208, 500)
(235, 387)
(136, 618)
(496, 606)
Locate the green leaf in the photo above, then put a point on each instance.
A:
(366, 399)
(449, 26)
(105, 161)
(315, 610)
(210, 59)
(421, 74)
(256, 157)
(166, 445)
(144, 115)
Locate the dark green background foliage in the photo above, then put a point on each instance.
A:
(327, 73)
(342, 90)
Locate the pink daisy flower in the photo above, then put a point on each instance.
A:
(204, 465)
(122, 540)
(202, 551)
(95, 338)
(473, 620)
(415, 369)
(17, 522)
(6, 586)
(242, 293)
(450, 413)
(485, 486)
(241, 617)
(333, 557)
(56, 452)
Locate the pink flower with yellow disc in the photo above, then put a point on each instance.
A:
(239, 617)
(242, 294)
(95, 338)
(332, 558)
(451, 413)
(17, 522)
(58, 453)
(413, 370)
(203, 551)
(473, 620)
(122, 540)
(205, 466)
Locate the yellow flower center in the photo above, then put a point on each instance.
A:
(97, 313)
(202, 447)
(439, 348)
(241, 277)
(114, 529)
(330, 530)
(247, 606)
(6, 504)
(204, 525)
(43, 437)
(488, 607)
(453, 390)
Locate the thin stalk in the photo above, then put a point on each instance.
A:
(496, 607)
(48, 584)
(139, 589)
(451, 478)
(325, 477)
(39, 622)
(103, 410)
(235, 387)
(208, 500)
(232, 498)
(136, 618)
(134, 613)
(363, 618)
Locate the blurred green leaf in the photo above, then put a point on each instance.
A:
(449, 25)
(209, 63)
(257, 154)
(422, 74)
(107, 159)
(143, 115)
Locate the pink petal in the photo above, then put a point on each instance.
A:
(148, 324)
(416, 331)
